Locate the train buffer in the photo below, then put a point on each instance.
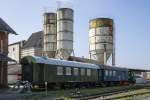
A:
(76, 93)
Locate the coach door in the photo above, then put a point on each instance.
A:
(27, 72)
(39, 73)
(99, 75)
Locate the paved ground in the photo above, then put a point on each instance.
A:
(8, 94)
(14, 95)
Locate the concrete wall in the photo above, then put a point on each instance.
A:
(14, 73)
(14, 52)
(31, 52)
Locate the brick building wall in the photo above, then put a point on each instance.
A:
(3, 64)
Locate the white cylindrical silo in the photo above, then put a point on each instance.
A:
(101, 39)
(50, 34)
(64, 32)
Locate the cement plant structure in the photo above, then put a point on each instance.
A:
(58, 34)
(102, 40)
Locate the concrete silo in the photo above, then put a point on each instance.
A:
(50, 34)
(64, 32)
(101, 39)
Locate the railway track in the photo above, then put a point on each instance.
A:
(102, 95)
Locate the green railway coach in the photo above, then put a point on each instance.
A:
(54, 71)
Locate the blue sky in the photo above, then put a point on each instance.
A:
(132, 24)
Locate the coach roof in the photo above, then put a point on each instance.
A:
(51, 61)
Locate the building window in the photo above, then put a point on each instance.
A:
(106, 72)
(76, 71)
(68, 71)
(88, 72)
(13, 49)
(82, 72)
(59, 70)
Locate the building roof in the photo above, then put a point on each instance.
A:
(19, 42)
(5, 27)
(34, 41)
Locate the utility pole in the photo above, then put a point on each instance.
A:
(105, 55)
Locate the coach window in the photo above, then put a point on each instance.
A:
(76, 71)
(68, 71)
(59, 70)
(123, 75)
(88, 72)
(110, 73)
(114, 73)
(106, 72)
(82, 72)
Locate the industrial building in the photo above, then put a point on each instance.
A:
(65, 17)
(14, 50)
(58, 36)
(50, 34)
(34, 45)
(58, 33)
(101, 40)
(5, 29)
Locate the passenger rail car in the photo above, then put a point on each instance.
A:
(39, 70)
(113, 75)
(61, 72)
